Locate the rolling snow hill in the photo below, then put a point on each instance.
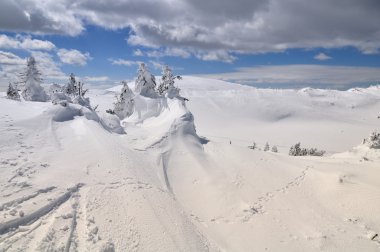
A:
(182, 178)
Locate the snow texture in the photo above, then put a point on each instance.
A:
(182, 177)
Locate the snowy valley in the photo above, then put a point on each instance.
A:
(173, 171)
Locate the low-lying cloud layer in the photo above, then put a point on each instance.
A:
(302, 76)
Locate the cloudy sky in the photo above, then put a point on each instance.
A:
(324, 43)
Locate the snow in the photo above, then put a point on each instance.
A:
(178, 176)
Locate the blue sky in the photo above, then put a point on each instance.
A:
(258, 42)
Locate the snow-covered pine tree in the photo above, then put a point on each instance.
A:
(145, 83)
(12, 92)
(31, 80)
(167, 83)
(266, 148)
(125, 103)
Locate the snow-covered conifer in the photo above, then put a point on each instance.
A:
(274, 148)
(125, 103)
(295, 150)
(266, 148)
(145, 83)
(167, 83)
(12, 92)
(31, 80)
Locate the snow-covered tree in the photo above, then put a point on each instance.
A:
(295, 150)
(266, 148)
(125, 103)
(73, 87)
(373, 141)
(167, 83)
(145, 83)
(274, 148)
(12, 92)
(31, 80)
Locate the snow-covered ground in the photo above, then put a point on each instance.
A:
(182, 178)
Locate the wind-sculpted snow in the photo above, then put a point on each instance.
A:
(163, 187)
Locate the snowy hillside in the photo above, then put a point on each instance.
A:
(179, 176)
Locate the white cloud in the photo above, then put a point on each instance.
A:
(303, 74)
(40, 17)
(73, 57)
(220, 55)
(48, 66)
(123, 62)
(138, 52)
(7, 58)
(322, 57)
(11, 65)
(156, 65)
(25, 42)
(243, 26)
(168, 52)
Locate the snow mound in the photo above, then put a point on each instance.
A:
(112, 123)
(146, 108)
(70, 111)
(159, 120)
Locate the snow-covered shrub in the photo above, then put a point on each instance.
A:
(296, 150)
(31, 80)
(12, 93)
(253, 146)
(72, 92)
(124, 105)
(373, 141)
(166, 86)
(266, 148)
(315, 152)
(145, 83)
(274, 148)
